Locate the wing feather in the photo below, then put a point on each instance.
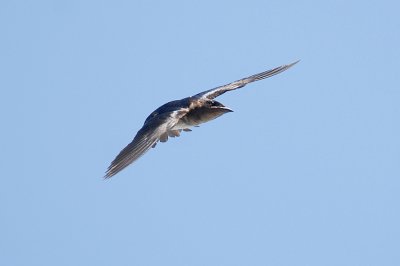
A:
(146, 138)
(142, 142)
(213, 93)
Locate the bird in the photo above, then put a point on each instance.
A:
(170, 119)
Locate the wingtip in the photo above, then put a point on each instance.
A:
(292, 64)
(108, 174)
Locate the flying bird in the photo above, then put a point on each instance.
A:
(171, 118)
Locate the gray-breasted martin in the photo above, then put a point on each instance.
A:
(171, 118)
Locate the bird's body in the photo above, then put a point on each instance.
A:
(171, 118)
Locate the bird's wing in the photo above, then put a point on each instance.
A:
(213, 93)
(152, 131)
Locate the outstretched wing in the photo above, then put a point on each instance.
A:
(213, 93)
(152, 131)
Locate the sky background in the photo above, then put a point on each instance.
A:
(306, 171)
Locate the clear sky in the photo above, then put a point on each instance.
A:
(306, 171)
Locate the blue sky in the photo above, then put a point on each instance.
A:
(305, 171)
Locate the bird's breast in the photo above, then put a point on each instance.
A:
(200, 115)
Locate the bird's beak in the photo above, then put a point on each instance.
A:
(226, 109)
